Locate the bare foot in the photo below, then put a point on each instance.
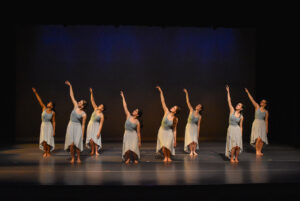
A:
(97, 153)
(48, 154)
(191, 154)
(232, 160)
(78, 160)
(72, 160)
(45, 155)
(236, 160)
(136, 162)
(169, 160)
(127, 161)
(92, 153)
(258, 153)
(195, 154)
(166, 159)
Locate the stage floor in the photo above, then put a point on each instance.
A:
(23, 164)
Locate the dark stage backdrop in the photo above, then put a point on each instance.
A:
(134, 59)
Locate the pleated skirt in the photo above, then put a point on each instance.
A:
(74, 135)
(130, 143)
(234, 138)
(165, 138)
(91, 133)
(258, 130)
(191, 135)
(46, 135)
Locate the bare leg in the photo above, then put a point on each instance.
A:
(96, 150)
(48, 150)
(127, 157)
(260, 147)
(195, 146)
(135, 158)
(92, 147)
(257, 146)
(45, 149)
(168, 155)
(232, 155)
(78, 155)
(72, 153)
(191, 149)
(237, 151)
(165, 154)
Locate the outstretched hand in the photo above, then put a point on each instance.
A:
(34, 90)
(227, 87)
(121, 93)
(159, 89)
(246, 90)
(67, 83)
(185, 91)
(91, 90)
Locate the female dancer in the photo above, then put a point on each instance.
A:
(234, 143)
(93, 133)
(260, 125)
(166, 139)
(192, 128)
(75, 131)
(47, 131)
(132, 135)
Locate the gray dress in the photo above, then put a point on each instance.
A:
(191, 131)
(130, 139)
(165, 137)
(46, 131)
(259, 128)
(234, 135)
(74, 131)
(92, 131)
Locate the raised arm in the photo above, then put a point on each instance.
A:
(100, 126)
(252, 99)
(188, 100)
(138, 130)
(92, 99)
(53, 122)
(39, 98)
(162, 98)
(71, 93)
(229, 100)
(125, 105)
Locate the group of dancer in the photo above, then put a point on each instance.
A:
(166, 138)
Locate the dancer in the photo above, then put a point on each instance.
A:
(192, 129)
(260, 125)
(234, 143)
(132, 135)
(75, 130)
(47, 131)
(166, 138)
(95, 125)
